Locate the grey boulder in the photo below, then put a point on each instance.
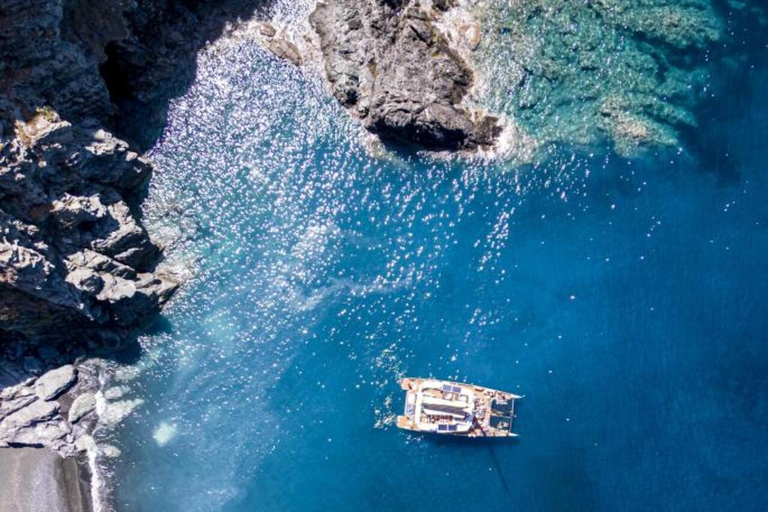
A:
(81, 407)
(55, 382)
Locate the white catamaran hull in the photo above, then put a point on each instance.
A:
(452, 408)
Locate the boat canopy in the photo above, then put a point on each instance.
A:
(442, 403)
(441, 412)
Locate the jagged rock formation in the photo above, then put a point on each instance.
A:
(114, 62)
(280, 46)
(41, 66)
(389, 64)
(78, 271)
(74, 258)
(157, 58)
(59, 410)
(75, 262)
(33, 413)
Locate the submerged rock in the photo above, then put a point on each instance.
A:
(115, 412)
(110, 451)
(164, 433)
(630, 73)
(115, 392)
(389, 64)
(285, 50)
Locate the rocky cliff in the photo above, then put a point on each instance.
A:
(84, 88)
(76, 264)
(74, 259)
(388, 62)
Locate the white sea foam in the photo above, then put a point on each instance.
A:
(112, 413)
(165, 433)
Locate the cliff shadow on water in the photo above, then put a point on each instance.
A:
(157, 61)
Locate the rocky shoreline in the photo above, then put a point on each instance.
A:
(84, 90)
(45, 438)
(52, 417)
(79, 273)
(77, 267)
(41, 412)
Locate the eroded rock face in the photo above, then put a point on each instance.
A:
(390, 65)
(42, 64)
(76, 264)
(74, 258)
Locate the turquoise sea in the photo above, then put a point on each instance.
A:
(624, 298)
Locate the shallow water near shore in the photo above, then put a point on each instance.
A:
(624, 299)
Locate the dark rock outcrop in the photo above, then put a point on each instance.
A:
(390, 65)
(76, 264)
(114, 62)
(40, 66)
(74, 259)
(157, 58)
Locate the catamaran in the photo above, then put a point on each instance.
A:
(452, 408)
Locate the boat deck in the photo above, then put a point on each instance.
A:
(451, 408)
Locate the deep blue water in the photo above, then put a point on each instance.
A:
(625, 300)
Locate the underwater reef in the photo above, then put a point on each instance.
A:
(629, 72)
